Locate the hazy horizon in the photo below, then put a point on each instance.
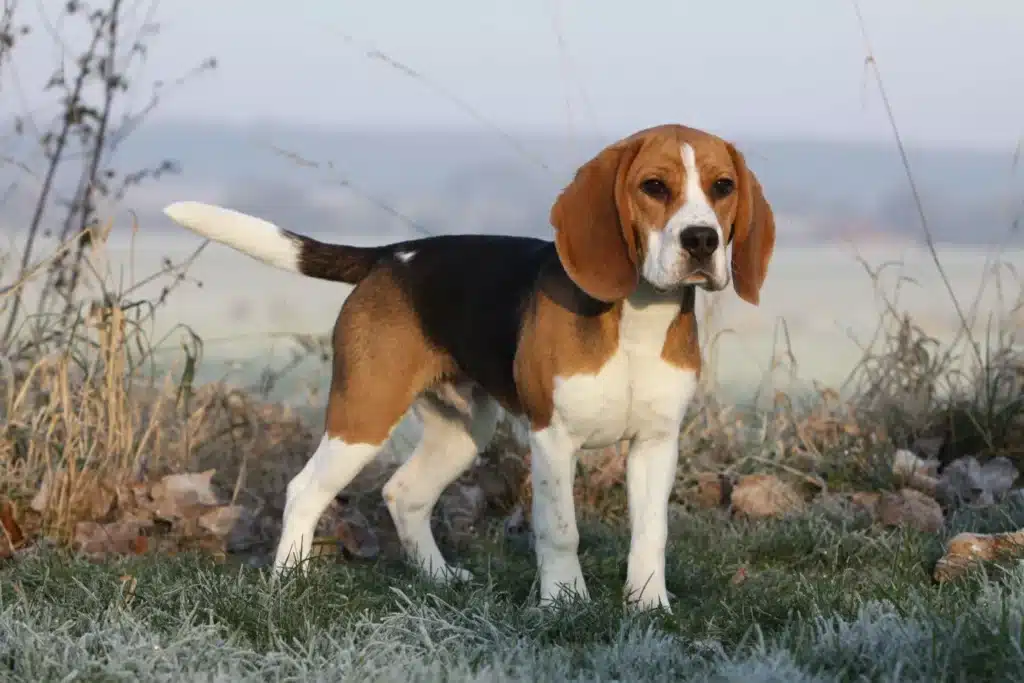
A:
(487, 110)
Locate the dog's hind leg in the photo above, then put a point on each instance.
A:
(453, 434)
(381, 364)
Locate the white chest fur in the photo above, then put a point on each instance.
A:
(635, 393)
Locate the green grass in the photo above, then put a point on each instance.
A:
(827, 598)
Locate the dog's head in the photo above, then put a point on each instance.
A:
(661, 206)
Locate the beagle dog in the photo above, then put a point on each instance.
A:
(591, 339)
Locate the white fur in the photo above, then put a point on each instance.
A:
(330, 469)
(637, 396)
(451, 440)
(253, 236)
(666, 264)
(405, 256)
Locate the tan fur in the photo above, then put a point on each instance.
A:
(594, 235)
(558, 343)
(602, 224)
(682, 347)
(382, 362)
(754, 238)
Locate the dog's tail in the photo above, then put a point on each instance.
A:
(276, 246)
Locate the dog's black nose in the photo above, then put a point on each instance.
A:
(699, 240)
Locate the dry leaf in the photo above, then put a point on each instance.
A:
(128, 585)
(763, 495)
(966, 550)
(712, 490)
(12, 530)
(232, 523)
(178, 495)
(118, 538)
(909, 508)
(739, 577)
(354, 534)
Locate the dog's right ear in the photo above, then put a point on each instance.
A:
(753, 233)
(594, 235)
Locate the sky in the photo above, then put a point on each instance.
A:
(782, 68)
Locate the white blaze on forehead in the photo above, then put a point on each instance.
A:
(696, 209)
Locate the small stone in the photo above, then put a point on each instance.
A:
(998, 476)
(909, 508)
(763, 495)
(966, 481)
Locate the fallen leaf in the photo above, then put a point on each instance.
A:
(966, 550)
(324, 547)
(866, 500)
(356, 537)
(909, 508)
(117, 538)
(232, 523)
(177, 495)
(739, 577)
(712, 490)
(128, 585)
(12, 530)
(763, 495)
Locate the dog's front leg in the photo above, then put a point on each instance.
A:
(650, 474)
(553, 466)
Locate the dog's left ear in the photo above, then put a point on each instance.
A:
(594, 234)
(753, 232)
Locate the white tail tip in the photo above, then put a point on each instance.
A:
(251, 235)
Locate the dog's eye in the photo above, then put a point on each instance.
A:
(722, 188)
(655, 188)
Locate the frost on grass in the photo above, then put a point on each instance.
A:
(92, 632)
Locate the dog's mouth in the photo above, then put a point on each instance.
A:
(705, 280)
(697, 277)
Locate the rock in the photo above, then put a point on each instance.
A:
(909, 508)
(966, 481)
(763, 495)
(177, 495)
(998, 476)
(966, 550)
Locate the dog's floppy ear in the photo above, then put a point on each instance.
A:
(753, 233)
(594, 235)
